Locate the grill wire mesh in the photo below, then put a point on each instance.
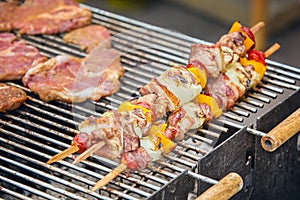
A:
(30, 135)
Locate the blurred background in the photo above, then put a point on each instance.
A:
(209, 19)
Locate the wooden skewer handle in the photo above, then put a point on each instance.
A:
(282, 132)
(228, 186)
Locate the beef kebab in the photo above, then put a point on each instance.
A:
(43, 16)
(191, 115)
(82, 142)
(196, 75)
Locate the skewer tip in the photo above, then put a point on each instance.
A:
(257, 27)
(72, 149)
(90, 151)
(272, 50)
(110, 176)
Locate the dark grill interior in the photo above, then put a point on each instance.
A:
(37, 130)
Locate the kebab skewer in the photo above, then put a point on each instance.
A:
(102, 145)
(237, 34)
(193, 113)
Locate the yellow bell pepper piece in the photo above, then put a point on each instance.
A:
(236, 26)
(215, 109)
(127, 106)
(166, 144)
(157, 128)
(199, 74)
(258, 67)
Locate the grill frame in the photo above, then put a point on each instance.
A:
(153, 60)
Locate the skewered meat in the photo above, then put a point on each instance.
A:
(138, 159)
(16, 57)
(89, 37)
(190, 115)
(210, 55)
(176, 84)
(10, 97)
(106, 128)
(43, 16)
(71, 79)
(234, 41)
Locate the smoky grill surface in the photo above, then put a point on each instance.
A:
(30, 135)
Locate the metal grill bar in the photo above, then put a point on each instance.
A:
(12, 193)
(33, 190)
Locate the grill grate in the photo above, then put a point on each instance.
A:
(37, 130)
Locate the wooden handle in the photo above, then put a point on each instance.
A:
(228, 186)
(282, 132)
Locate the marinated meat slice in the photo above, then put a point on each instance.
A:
(69, 79)
(6, 12)
(16, 57)
(89, 37)
(11, 97)
(43, 16)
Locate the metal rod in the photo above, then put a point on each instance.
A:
(202, 178)
(258, 97)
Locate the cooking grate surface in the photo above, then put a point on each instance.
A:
(30, 135)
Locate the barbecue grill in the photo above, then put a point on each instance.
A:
(37, 130)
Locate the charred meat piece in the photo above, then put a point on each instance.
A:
(89, 37)
(10, 97)
(71, 79)
(43, 16)
(16, 57)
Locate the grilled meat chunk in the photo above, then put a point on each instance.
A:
(157, 104)
(190, 116)
(43, 16)
(71, 79)
(106, 128)
(16, 57)
(89, 37)
(210, 55)
(177, 85)
(134, 160)
(10, 97)
(234, 41)
(223, 90)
